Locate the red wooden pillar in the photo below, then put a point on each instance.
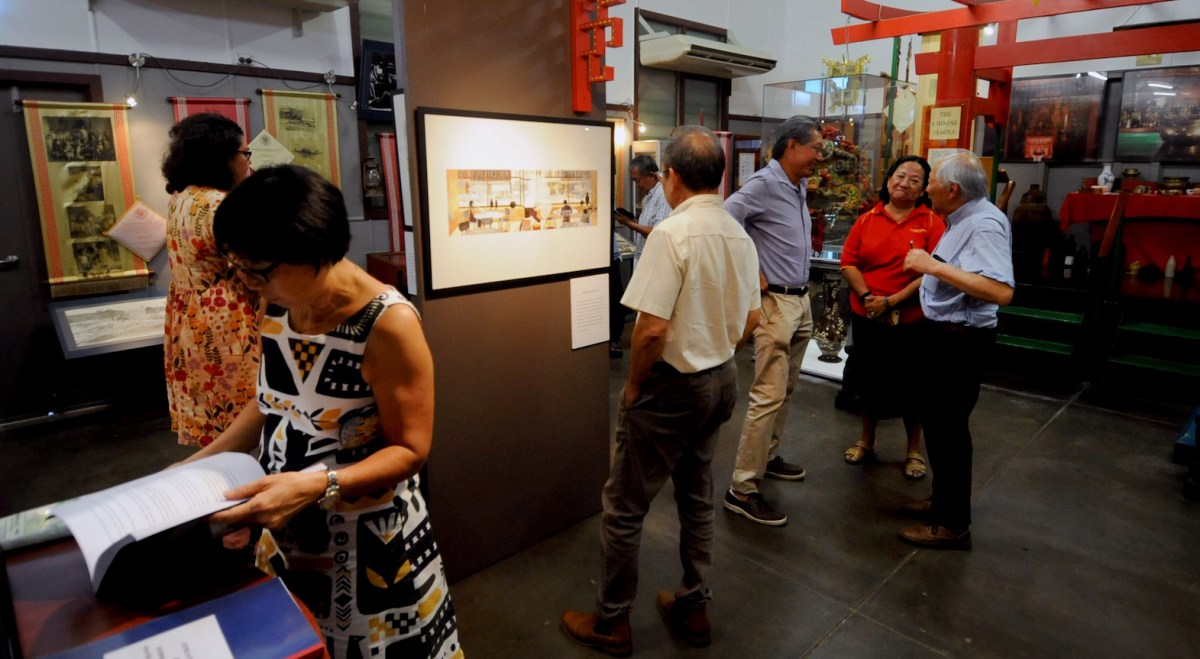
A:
(956, 78)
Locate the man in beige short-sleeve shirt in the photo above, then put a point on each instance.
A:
(697, 296)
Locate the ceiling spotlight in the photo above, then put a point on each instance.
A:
(641, 127)
(131, 101)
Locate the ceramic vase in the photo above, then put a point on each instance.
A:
(830, 332)
(1106, 178)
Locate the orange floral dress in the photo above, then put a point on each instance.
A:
(211, 344)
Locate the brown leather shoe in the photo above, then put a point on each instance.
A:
(919, 507)
(612, 637)
(936, 537)
(686, 620)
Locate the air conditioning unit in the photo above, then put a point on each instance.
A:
(682, 52)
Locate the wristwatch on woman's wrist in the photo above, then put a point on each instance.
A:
(333, 493)
(865, 294)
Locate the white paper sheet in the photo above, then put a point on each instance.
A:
(199, 638)
(589, 310)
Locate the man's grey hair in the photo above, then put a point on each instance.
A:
(965, 169)
(800, 128)
(697, 158)
(644, 164)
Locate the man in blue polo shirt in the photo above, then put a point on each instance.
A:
(773, 208)
(967, 278)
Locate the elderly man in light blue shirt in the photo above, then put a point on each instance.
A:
(967, 278)
(772, 206)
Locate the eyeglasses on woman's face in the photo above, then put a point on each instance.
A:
(246, 152)
(256, 276)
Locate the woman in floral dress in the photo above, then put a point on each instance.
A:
(343, 424)
(211, 344)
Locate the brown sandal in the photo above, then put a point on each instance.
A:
(914, 467)
(859, 453)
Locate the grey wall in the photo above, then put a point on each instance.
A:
(521, 437)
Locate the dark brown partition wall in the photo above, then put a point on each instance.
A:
(522, 430)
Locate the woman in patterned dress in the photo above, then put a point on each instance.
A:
(211, 346)
(343, 423)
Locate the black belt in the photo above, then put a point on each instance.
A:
(788, 290)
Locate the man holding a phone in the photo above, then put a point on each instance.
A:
(644, 173)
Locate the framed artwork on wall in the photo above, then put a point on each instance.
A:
(511, 200)
(376, 80)
(1056, 118)
(108, 324)
(1160, 115)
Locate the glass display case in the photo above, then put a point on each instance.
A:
(867, 122)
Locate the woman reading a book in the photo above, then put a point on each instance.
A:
(343, 423)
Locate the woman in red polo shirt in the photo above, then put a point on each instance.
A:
(884, 303)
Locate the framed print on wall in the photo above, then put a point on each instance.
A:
(1054, 119)
(510, 200)
(1160, 120)
(376, 80)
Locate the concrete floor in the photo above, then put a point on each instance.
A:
(1083, 544)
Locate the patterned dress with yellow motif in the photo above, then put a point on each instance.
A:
(369, 570)
(210, 341)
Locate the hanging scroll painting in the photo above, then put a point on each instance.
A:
(234, 109)
(84, 182)
(306, 124)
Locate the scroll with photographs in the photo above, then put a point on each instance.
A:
(305, 123)
(234, 109)
(84, 181)
(1055, 118)
(1160, 119)
(509, 201)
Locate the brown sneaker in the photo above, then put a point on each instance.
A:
(936, 537)
(919, 507)
(686, 620)
(612, 637)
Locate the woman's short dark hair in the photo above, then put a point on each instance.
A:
(923, 200)
(284, 214)
(202, 146)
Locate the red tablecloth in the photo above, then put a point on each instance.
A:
(1155, 227)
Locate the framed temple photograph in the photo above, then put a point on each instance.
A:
(1160, 115)
(1056, 118)
(511, 200)
(376, 80)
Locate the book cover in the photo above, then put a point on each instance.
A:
(258, 622)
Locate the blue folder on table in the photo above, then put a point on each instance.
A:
(259, 622)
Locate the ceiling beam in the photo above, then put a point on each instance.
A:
(870, 11)
(1121, 43)
(993, 12)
